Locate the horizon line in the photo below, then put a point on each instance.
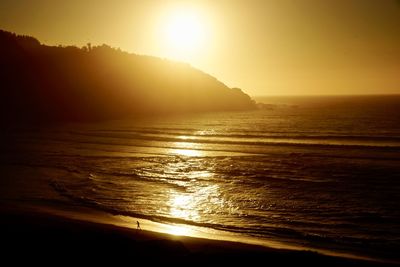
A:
(324, 95)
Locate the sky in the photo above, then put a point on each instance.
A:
(265, 47)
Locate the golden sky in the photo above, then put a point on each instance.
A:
(278, 47)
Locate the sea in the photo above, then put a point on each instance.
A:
(316, 172)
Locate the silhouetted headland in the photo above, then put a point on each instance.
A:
(67, 83)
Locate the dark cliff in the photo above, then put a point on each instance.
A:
(48, 83)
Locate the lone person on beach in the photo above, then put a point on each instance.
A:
(138, 225)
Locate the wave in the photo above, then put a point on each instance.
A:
(237, 134)
(242, 134)
(241, 143)
(352, 141)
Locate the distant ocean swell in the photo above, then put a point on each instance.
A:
(236, 143)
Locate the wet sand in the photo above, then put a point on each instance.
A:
(34, 237)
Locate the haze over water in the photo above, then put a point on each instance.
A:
(315, 172)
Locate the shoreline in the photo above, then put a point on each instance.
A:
(35, 230)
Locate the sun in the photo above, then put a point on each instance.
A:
(185, 33)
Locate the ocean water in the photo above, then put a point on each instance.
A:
(320, 172)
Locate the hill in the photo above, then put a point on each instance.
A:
(67, 83)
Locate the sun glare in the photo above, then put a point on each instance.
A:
(178, 230)
(184, 33)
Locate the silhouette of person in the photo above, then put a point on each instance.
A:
(138, 225)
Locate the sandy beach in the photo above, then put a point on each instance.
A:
(32, 236)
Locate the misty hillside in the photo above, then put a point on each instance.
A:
(49, 83)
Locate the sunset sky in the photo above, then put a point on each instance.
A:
(277, 47)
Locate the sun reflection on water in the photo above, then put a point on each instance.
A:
(185, 137)
(197, 194)
(183, 207)
(191, 206)
(186, 149)
(187, 152)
